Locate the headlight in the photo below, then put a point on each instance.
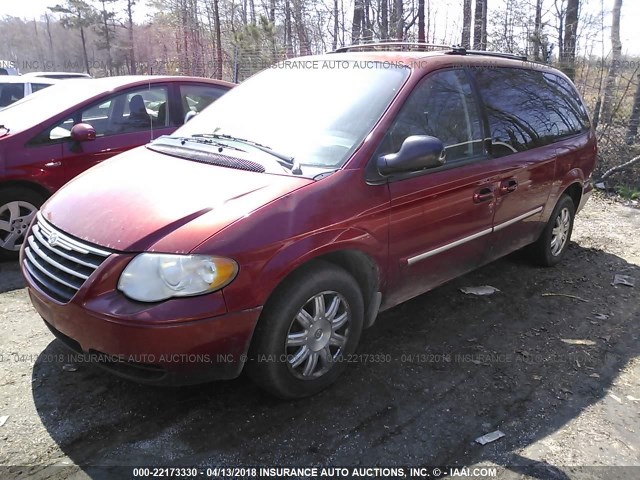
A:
(151, 277)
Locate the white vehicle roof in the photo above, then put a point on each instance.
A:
(24, 79)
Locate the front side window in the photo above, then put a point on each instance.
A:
(132, 111)
(528, 108)
(441, 106)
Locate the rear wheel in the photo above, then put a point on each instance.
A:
(305, 332)
(18, 206)
(550, 248)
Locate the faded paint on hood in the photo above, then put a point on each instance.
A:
(146, 201)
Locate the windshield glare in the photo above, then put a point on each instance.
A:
(316, 115)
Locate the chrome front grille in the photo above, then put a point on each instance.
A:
(58, 263)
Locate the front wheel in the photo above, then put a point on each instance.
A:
(18, 206)
(306, 331)
(552, 244)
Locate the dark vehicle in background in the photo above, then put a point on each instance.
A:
(58, 75)
(48, 138)
(16, 87)
(267, 232)
(8, 67)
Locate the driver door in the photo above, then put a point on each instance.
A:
(122, 122)
(441, 218)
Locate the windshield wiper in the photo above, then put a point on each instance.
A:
(283, 159)
(203, 140)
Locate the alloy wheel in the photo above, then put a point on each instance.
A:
(15, 218)
(560, 231)
(317, 335)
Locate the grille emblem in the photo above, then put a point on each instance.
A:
(53, 239)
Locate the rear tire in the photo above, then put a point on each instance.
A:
(550, 248)
(313, 321)
(18, 206)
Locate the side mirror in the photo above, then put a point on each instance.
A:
(190, 114)
(416, 153)
(83, 132)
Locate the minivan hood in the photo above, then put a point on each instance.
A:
(146, 201)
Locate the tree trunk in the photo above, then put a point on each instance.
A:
(107, 38)
(218, 45)
(466, 24)
(356, 28)
(272, 11)
(399, 16)
(421, 37)
(288, 36)
(51, 51)
(570, 36)
(537, 32)
(303, 37)
(634, 119)
(336, 25)
(132, 54)
(616, 46)
(384, 19)
(84, 51)
(483, 38)
(477, 27)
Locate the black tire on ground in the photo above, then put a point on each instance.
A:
(543, 252)
(271, 358)
(28, 199)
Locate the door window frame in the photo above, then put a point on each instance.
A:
(76, 113)
(373, 176)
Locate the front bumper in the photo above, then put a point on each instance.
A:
(171, 353)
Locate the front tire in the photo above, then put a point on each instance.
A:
(18, 206)
(313, 321)
(550, 248)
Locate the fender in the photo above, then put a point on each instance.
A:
(265, 278)
(573, 176)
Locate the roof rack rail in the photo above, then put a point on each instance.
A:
(392, 46)
(456, 50)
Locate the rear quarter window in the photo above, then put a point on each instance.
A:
(529, 108)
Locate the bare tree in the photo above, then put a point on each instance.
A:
(616, 47)
(78, 15)
(421, 37)
(466, 24)
(480, 25)
(356, 28)
(568, 58)
(634, 119)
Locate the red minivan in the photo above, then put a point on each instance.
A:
(48, 138)
(267, 232)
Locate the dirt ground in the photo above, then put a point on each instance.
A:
(559, 375)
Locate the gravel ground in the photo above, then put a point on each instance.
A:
(558, 374)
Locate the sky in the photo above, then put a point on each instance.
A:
(629, 30)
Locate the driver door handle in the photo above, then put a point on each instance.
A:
(483, 195)
(508, 186)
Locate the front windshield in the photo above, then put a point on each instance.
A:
(316, 112)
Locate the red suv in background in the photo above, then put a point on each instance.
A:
(50, 137)
(267, 232)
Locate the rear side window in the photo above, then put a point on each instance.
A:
(442, 106)
(196, 98)
(529, 109)
(35, 87)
